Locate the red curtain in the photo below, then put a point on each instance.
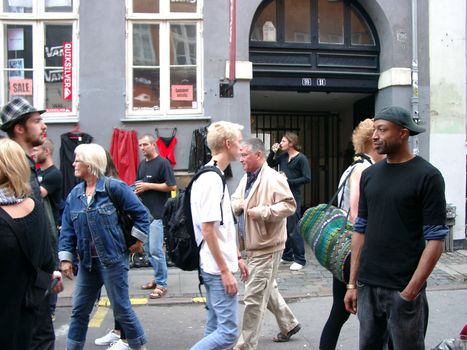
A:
(124, 152)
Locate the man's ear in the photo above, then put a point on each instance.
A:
(19, 129)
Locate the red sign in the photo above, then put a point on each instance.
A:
(20, 87)
(182, 92)
(67, 70)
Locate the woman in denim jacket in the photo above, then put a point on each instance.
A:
(90, 225)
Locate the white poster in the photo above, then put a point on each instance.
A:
(20, 3)
(15, 39)
(57, 3)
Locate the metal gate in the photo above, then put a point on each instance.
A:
(319, 134)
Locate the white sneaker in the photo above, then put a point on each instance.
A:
(107, 339)
(286, 262)
(296, 267)
(119, 345)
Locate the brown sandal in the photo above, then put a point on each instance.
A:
(158, 292)
(281, 338)
(149, 285)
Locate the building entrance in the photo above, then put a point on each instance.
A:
(319, 135)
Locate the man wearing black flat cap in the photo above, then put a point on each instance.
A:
(399, 234)
(24, 124)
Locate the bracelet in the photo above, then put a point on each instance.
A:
(351, 286)
(239, 257)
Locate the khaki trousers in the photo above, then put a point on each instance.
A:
(261, 292)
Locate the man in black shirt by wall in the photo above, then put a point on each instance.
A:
(402, 205)
(155, 180)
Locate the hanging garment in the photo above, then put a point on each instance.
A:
(200, 154)
(166, 146)
(69, 141)
(124, 153)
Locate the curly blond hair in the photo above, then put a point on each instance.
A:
(362, 136)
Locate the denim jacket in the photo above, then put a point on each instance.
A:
(97, 221)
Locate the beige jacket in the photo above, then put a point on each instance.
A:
(272, 202)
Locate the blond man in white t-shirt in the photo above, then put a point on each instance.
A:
(219, 254)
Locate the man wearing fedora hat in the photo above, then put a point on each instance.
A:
(398, 238)
(24, 124)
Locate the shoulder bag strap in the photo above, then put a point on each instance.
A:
(340, 187)
(109, 193)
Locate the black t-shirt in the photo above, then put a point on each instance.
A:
(157, 170)
(398, 200)
(51, 180)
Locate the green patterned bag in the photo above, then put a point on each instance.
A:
(328, 232)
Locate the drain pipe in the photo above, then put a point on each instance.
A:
(414, 99)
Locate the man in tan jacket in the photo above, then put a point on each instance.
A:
(262, 202)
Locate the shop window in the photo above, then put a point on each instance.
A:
(27, 6)
(265, 26)
(361, 33)
(165, 71)
(331, 21)
(297, 21)
(38, 62)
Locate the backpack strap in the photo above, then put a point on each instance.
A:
(215, 169)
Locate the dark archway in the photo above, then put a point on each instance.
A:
(315, 71)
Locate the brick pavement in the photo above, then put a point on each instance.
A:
(312, 281)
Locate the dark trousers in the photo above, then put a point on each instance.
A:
(294, 246)
(43, 335)
(383, 313)
(338, 315)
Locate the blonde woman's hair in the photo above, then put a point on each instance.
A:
(15, 173)
(362, 136)
(219, 132)
(93, 155)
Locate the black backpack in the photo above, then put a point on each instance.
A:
(179, 235)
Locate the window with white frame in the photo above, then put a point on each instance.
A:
(39, 45)
(164, 51)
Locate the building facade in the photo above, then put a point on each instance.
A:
(316, 67)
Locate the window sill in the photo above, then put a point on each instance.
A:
(130, 119)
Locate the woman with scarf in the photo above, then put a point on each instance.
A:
(26, 260)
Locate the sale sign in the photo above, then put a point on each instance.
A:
(182, 92)
(20, 87)
(67, 70)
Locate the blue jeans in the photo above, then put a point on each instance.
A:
(87, 289)
(383, 313)
(221, 325)
(294, 246)
(154, 248)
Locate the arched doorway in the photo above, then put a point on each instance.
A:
(315, 72)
